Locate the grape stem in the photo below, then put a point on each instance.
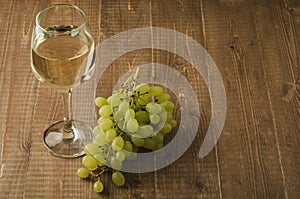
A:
(136, 75)
(98, 174)
(130, 83)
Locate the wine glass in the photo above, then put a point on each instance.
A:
(62, 56)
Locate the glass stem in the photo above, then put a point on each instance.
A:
(67, 103)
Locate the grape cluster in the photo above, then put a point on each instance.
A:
(134, 116)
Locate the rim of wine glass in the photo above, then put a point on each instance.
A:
(56, 5)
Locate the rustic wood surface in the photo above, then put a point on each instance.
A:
(256, 46)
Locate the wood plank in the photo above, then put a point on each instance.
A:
(18, 95)
(279, 64)
(249, 116)
(201, 180)
(222, 18)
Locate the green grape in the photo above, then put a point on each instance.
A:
(109, 100)
(115, 163)
(100, 101)
(163, 97)
(142, 88)
(144, 131)
(158, 146)
(166, 129)
(155, 108)
(98, 186)
(115, 100)
(149, 105)
(149, 143)
(145, 97)
(137, 141)
(155, 90)
(158, 138)
(105, 124)
(142, 117)
(102, 118)
(118, 143)
(105, 111)
(100, 157)
(173, 123)
(127, 148)
(168, 105)
(118, 178)
(132, 125)
(163, 116)
(130, 114)
(100, 139)
(154, 118)
(123, 107)
(96, 130)
(118, 116)
(90, 162)
(91, 149)
(120, 156)
(159, 127)
(133, 154)
(99, 120)
(141, 102)
(169, 116)
(110, 134)
(83, 173)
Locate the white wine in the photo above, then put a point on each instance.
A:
(63, 56)
(63, 61)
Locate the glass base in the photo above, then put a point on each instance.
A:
(67, 143)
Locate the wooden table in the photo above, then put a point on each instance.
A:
(256, 47)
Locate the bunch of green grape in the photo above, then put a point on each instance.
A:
(133, 117)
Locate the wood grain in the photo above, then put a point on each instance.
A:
(255, 45)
